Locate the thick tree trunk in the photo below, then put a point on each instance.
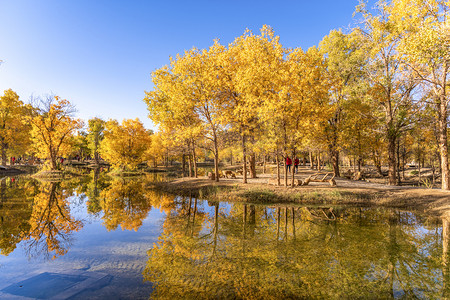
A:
(4, 158)
(311, 162)
(253, 165)
(391, 160)
(334, 153)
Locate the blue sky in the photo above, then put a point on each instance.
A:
(99, 54)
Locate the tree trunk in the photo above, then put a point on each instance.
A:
(264, 164)
(194, 160)
(285, 172)
(334, 153)
(293, 168)
(244, 159)
(278, 168)
(319, 163)
(190, 165)
(398, 162)
(443, 143)
(167, 158)
(4, 158)
(253, 165)
(391, 160)
(377, 162)
(420, 173)
(311, 162)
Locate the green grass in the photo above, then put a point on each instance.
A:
(259, 195)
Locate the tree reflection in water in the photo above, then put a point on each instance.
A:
(219, 250)
(292, 252)
(51, 223)
(126, 203)
(16, 197)
(37, 213)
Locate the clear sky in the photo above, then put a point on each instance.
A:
(99, 54)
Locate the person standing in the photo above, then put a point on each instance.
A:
(288, 163)
(296, 163)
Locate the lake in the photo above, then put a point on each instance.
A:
(98, 237)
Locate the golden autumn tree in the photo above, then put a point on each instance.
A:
(14, 130)
(175, 118)
(157, 149)
(391, 84)
(96, 126)
(251, 68)
(187, 101)
(307, 95)
(425, 48)
(300, 102)
(53, 125)
(344, 59)
(124, 145)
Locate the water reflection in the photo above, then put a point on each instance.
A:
(37, 213)
(250, 251)
(15, 212)
(221, 250)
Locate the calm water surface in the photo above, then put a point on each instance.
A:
(103, 238)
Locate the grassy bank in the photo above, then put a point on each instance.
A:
(433, 202)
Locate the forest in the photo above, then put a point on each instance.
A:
(372, 94)
(375, 94)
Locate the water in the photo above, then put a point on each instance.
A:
(103, 238)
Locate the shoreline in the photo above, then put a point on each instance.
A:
(432, 202)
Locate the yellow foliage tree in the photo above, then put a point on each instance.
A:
(425, 48)
(52, 127)
(250, 80)
(124, 145)
(14, 130)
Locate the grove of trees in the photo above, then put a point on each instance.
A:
(376, 92)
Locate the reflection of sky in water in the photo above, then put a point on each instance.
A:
(123, 253)
(120, 253)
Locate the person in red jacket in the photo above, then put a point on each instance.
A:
(296, 163)
(288, 163)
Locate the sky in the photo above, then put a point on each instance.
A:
(99, 54)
